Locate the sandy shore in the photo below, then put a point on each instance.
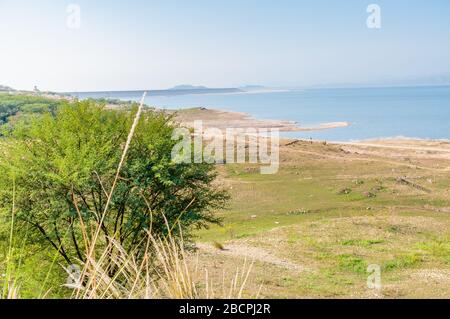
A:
(226, 119)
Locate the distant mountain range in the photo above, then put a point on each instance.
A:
(184, 89)
(177, 90)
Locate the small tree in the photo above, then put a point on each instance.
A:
(62, 167)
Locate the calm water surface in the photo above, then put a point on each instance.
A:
(418, 112)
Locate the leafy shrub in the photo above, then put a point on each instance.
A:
(63, 165)
(13, 105)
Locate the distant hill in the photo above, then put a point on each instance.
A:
(191, 89)
(188, 87)
(4, 88)
(178, 90)
(184, 89)
(253, 87)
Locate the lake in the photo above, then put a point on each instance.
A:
(415, 112)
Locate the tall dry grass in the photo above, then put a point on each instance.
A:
(8, 280)
(164, 268)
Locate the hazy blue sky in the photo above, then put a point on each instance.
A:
(124, 45)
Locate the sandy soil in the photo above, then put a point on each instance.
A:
(315, 251)
(392, 148)
(225, 119)
(252, 253)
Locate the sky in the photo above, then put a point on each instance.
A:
(133, 45)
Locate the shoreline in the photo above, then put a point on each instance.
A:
(222, 119)
(228, 119)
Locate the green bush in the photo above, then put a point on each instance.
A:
(12, 106)
(62, 165)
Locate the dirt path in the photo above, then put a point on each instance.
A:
(251, 253)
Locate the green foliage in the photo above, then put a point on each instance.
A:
(63, 165)
(26, 105)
